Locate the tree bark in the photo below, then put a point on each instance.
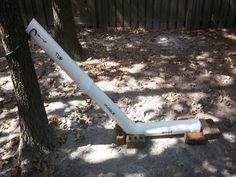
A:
(65, 30)
(35, 133)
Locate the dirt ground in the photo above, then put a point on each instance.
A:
(152, 76)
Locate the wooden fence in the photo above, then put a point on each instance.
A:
(38, 9)
(149, 14)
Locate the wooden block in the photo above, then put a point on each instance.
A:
(205, 128)
(195, 138)
(215, 132)
(185, 117)
(209, 129)
(135, 141)
(120, 135)
(120, 139)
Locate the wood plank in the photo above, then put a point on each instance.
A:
(198, 17)
(232, 14)
(119, 13)
(189, 14)
(207, 14)
(126, 13)
(96, 14)
(234, 9)
(100, 22)
(173, 14)
(92, 12)
(209, 129)
(145, 13)
(112, 16)
(102, 16)
(105, 10)
(164, 14)
(134, 13)
(216, 13)
(108, 12)
(181, 13)
(141, 13)
(194, 138)
(168, 13)
(234, 25)
(195, 15)
(224, 13)
(157, 14)
(149, 14)
(210, 14)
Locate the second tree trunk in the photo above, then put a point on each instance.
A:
(65, 30)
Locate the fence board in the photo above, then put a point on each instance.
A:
(224, 13)
(164, 14)
(106, 12)
(149, 14)
(216, 13)
(112, 13)
(157, 14)
(103, 13)
(168, 13)
(234, 10)
(92, 12)
(189, 14)
(198, 11)
(141, 13)
(119, 13)
(207, 14)
(126, 13)
(181, 13)
(173, 14)
(99, 9)
(134, 13)
(193, 15)
(232, 13)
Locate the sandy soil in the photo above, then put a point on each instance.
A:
(152, 76)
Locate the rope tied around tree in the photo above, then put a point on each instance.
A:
(17, 47)
(22, 43)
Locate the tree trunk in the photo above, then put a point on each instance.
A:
(35, 133)
(65, 31)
